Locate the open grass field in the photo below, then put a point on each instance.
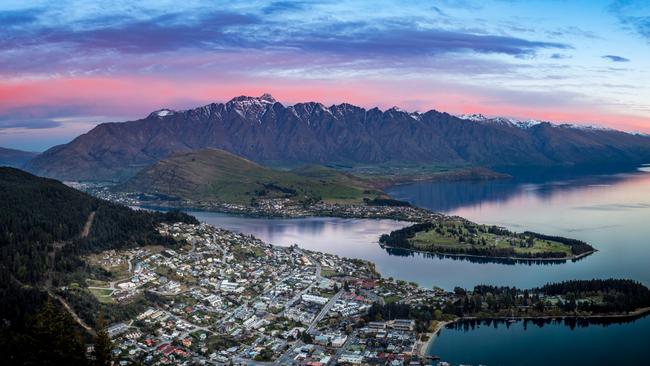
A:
(461, 235)
(102, 295)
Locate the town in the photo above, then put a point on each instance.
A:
(271, 207)
(227, 298)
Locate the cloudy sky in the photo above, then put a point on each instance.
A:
(68, 65)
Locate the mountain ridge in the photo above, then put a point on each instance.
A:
(15, 158)
(264, 130)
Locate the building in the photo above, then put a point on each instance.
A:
(116, 329)
(350, 358)
(315, 299)
(404, 324)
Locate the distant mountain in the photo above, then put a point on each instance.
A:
(217, 175)
(263, 130)
(15, 158)
(528, 123)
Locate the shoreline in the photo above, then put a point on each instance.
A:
(268, 215)
(526, 259)
(343, 216)
(424, 346)
(632, 314)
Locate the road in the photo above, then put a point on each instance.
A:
(341, 350)
(88, 225)
(56, 247)
(307, 289)
(324, 311)
(72, 313)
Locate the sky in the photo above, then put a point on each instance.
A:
(66, 66)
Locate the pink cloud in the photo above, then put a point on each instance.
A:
(137, 96)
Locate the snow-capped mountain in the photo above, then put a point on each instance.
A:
(264, 130)
(527, 123)
(477, 117)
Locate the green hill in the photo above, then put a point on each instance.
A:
(217, 175)
(45, 226)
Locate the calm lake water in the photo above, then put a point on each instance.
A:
(552, 344)
(612, 212)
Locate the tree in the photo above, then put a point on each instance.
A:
(56, 341)
(102, 344)
(437, 314)
(306, 337)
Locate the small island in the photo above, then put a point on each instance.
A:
(455, 236)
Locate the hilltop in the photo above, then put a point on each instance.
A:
(219, 176)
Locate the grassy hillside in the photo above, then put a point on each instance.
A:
(216, 175)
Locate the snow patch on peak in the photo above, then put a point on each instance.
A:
(476, 117)
(585, 127)
(162, 113)
(244, 99)
(528, 123)
(414, 115)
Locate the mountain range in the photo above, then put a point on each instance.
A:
(265, 131)
(15, 158)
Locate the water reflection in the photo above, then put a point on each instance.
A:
(610, 212)
(570, 322)
(544, 342)
(449, 196)
(401, 252)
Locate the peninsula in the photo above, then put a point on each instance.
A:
(455, 236)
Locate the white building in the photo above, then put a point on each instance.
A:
(315, 299)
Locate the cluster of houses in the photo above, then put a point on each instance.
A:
(225, 298)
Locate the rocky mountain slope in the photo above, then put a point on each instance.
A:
(263, 130)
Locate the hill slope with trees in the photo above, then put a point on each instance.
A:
(44, 228)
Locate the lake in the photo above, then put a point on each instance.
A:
(610, 211)
(526, 344)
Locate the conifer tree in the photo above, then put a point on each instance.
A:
(102, 344)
